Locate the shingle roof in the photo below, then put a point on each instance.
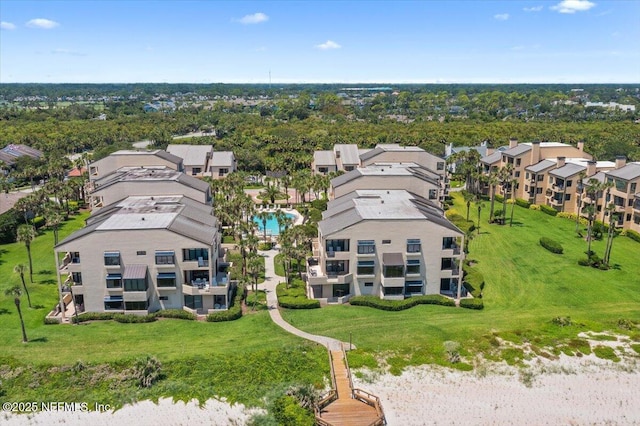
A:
(192, 155)
(222, 159)
(517, 150)
(324, 158)
(387, 169)
(540, 166)
(567, 170)
(492, 158)
(628, 172)
(348, 153)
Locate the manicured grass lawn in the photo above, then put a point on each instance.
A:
(526, 286)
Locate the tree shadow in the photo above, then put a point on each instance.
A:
(3, 252)
(44, 272)
(4, 311)
(616, 266)
(39, 340)
(48, 281)
(517, 223)
(38, 307)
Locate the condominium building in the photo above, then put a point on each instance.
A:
(202, 160)
(387, 243)
(146, 253)
(129, 158)
(625, 193)
(410, 176)
(156, 180)
(347, 157)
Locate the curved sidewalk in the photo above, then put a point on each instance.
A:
(270, 282)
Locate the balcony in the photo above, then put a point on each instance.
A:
(135, 296)
(555, 202)
(451, 250)
(392, 281)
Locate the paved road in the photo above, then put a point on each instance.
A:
(269, 285)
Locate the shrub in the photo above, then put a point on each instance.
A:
(147, 371)
(93, 316)
(265, 246)
(453, 351)
(400, 305)
(298, 303)
(523, 203)
(562, 321)
(499, 198)
(635, 236)
(320, 204)
(133, 319)
(50, 321)
(9, 222)
(473, 281)
(551, 245)
(548, 210)
(460, 221)
(233, 313)
(38, 222)
(472, 304)
(584, 262)
(175, 313)
(534, 207)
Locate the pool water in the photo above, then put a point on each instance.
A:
(272, 223)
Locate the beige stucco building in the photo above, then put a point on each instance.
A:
(202, 160)
(146, 253)
(130, 158)
(387, 243)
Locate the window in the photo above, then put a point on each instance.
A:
(348, 168)
(114, 280)
(165, 258)
(113, 303)
(196, 170)
(366, 246)
(413, 266)
(448, 263)
(196, 254)
(538, 190)
(75, 257)
(526, 176)
(393, 291)
(112, 258)
(526, 188)
(223, 172)
(517, 174)
(193, 302)
(433, 194)
(163, 297)
(368, 284)
(167, 279)
(412, 287)
(323, 170)
(440, 165)
(540, 178)
(136, 306)
(340, 290)
(449, 243)
(337, 267)
(337, 245)
(366, 267)
(567, 197)
(569, 183)
(394, 271)
(518, 161)
(633, 188)
(386, 241)
(414, 246)
(77, 278)
(136, 284)
(141, 253)
(449, 284)
(621, 185)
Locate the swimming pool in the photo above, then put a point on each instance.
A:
(272, 223)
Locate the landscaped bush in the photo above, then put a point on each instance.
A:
(400, 305)
(460, 221)
(265, 246)
(534, 207)
(551, 245)
(233, 313)
(548, 210)
(9, 222)
(295, 297)
(562, 321)
(499, 198)
(472, 304)
(93, 316)
(50, 321)
(523, 203)
(635, 236)
(473, 281)
(572, 216)
(320, 204)
(133, 319)
(38, 222)
(175, 313)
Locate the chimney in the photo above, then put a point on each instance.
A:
(535, 152)
(513, 142)
(591, 168)
(621, 161)
(581, 145)
(561, 161)
(490, 150)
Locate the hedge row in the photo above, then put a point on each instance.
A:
(551, 245)
(290, 302)
(499, 198)
(175, 313)
(523, 203)
(129, 318)
(233, 313)
(635, 236)
(573, 216)
(472, 304)
(548, 210)
(461, 222)
(400, 305)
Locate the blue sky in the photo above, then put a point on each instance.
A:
(558, 41)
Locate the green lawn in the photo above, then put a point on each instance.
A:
(526, 286)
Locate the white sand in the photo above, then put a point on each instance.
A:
(145, 413)
(568, 391)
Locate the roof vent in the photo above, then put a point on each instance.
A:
(381, 201)
(143, 218)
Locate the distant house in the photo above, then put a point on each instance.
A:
(130, 158)
(10, 153)
(202, 160)
(221, 164)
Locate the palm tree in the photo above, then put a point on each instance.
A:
(53, 220)
(468, 197)
(16, 292)
(21, 269)
(579, 190)
(271, 192)
(480, 206)
(514, 182)
(255, 266)
(26, 234)
(280, 216)
(611, 212)
(493, 181)
(595, 188)
(263, 216)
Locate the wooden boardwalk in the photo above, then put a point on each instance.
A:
(346, 406)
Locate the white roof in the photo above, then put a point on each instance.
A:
(192, 155)
(222, 159)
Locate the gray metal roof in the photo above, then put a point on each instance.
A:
(392, 259)
(492, 158)
(387, 169)
(222, 159)
(517, 150)
(628, 172)
(142, 174)
(192, 155)
(194, 230)
(324, 158)
(540, 166)
(567, 170)
(193, 182)
(135, 272)
(348, 153)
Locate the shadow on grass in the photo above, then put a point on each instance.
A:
(3, 252)
(39, 340)
(48, 281)
(4, 311)
(44, 272)
(38, 307)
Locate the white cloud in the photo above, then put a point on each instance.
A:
(573, 6)
(7, 25)
(255, 18)
(501, 16)
(45, 24)
(520, 47)
(327, 45)
(533, 9)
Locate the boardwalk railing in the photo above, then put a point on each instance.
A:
(373, 401)
(328, 397)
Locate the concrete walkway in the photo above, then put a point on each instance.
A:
(269, 285)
